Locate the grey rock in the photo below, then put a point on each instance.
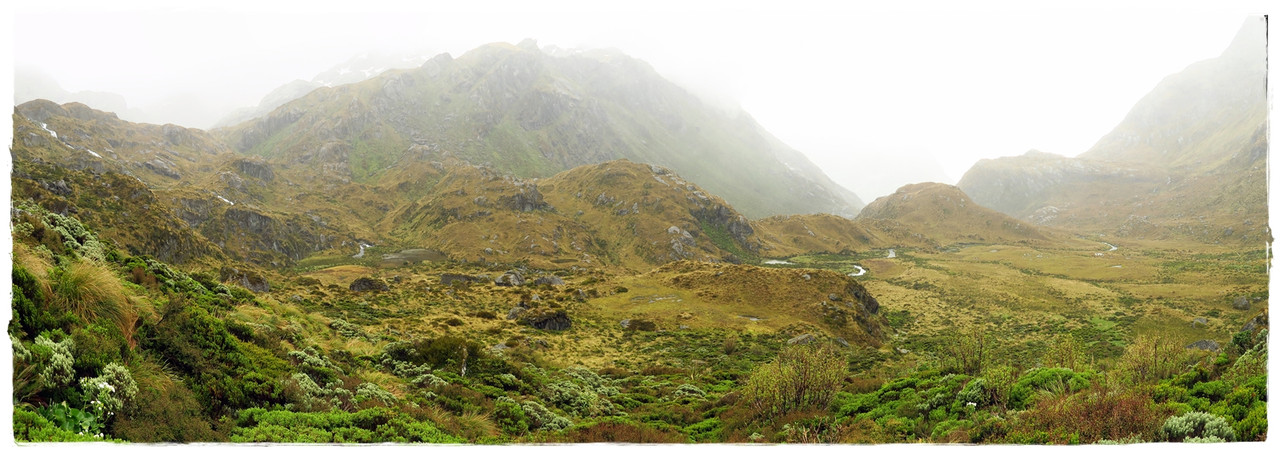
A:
(1241, 303)
(449, 279)
(363, 284)
(549, 280)
(516, 312)
(1199, 322)
(834, 297)
(548, 320)
(248, 279)
(1205, 345)
(510, 278)
(804, 338)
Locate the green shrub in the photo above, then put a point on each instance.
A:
(541, 418)
(368, 391)
(801, 377)
(374, 425)
(510, 417)
(1193, 425)
(33, 427)
(110, 392)
(1050, 380)
(709, 430)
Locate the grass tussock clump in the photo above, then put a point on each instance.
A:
(91, 292)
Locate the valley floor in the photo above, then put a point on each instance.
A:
(1081, 343)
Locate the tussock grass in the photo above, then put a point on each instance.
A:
(92, 292)
(38, 266)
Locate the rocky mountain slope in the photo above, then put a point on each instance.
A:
(523, 112)
(1188, 162)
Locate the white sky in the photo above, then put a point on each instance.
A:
(840, 83)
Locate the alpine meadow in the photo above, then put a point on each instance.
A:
(528, 244)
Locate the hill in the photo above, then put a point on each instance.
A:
(1188, 162)
(945, 215)
(523, 112)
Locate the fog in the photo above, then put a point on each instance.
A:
(878, 95)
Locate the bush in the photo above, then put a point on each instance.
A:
(1192, 425)
(541, 418)
(801, 377)
(1049, 380)
(32, 427)
(1152, 358)
(374, 425)
(621, 431)
(510, 417)
(1093, 415)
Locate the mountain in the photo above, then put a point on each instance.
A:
(175, 193)
(1187, 162)
(357, 69)
(521, 111)
(228, 206)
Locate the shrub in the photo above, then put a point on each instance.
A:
(1095, 414)
(33, 427)
(110, 392)
(541, 418)
(967, 352)
(621, 431)
(1193, 425)
(510, 417)
(801, 377)
(1048, 380)
(1152, 358)
(1066, 352)
(163, 411)
(368, 391)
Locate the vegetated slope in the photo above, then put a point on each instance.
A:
(1189, 161)
(791, 235)
(751, 298)
(529, 114)
(174, 193)
(945, 215)
(616, 213)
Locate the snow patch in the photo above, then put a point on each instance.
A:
(224, 199)
(361, 253)
(93, 153)
(778, 262)
(861, 271)
(892, 254)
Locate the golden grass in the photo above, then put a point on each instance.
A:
(91, 291)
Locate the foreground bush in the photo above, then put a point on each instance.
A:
(802, 377)
(1197, 426)
(375, 425)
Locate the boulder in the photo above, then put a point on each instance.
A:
(510, 278)
(549, 280)
(1257, 322)
(1241, 303)
(248, 279)
(804, 338)
(1199, 322)
(363, 284)
(1205, 345)
(546, 319)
